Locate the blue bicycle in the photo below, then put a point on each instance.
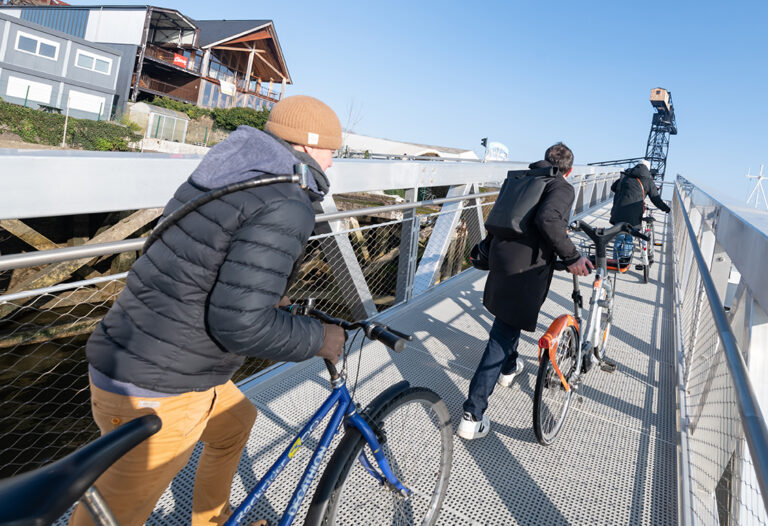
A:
(393, 463)
(391, 466)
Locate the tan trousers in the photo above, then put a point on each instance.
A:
(220, 417)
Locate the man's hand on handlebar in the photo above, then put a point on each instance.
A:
(333, 342)
(582, 267)
(284, 302)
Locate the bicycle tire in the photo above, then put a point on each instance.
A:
(645, 273)
(549, 393)
(422, 416)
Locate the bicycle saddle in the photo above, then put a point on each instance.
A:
(43, 495)
(650, 219)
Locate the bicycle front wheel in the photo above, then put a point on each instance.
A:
(419, 449)
(550, 399)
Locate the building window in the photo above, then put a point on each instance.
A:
(206, 94)
(93, 62)
(214, 96)
(37, 46)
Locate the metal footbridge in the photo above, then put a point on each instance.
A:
(674, 436)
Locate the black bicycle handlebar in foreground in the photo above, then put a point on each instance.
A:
(41, 496)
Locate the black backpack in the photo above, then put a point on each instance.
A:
(516, 206)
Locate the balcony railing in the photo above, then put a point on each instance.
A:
(262, 90)
(174, 59)
(186, 93)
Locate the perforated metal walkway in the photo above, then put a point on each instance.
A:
(614, 462)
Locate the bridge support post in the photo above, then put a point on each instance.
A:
(348, 276)
(439, 241)
(409, 248)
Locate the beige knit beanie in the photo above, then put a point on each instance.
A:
(305, 120)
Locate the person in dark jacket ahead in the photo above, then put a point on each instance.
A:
(200, 300)
(630, 192)
(520, 272)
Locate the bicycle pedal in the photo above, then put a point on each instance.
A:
(608, 366)
(580, 399)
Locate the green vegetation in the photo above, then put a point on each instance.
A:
(227, 119)
(194, 112)
(39, 127)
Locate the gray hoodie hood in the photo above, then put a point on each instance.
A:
(249, 153)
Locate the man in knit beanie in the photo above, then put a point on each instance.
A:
(309, 125)
(201, 300)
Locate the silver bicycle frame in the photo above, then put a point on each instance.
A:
(589, 333)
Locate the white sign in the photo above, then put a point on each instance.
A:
(85, 102)
(27, 89)
(227, 88)
(496, 152)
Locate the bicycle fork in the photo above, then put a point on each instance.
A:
(346, 412)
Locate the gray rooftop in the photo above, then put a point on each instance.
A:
(213, 31)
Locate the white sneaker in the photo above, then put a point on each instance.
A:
(505, 380)
(470, 429)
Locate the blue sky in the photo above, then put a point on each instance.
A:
(452, 72)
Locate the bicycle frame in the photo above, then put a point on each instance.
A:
(587, 334)
(590, 337)
(644, 248)
(346, 412)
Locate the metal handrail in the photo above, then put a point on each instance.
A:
(755, 430)
(58, 255)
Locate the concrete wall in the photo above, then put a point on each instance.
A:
(161, 146)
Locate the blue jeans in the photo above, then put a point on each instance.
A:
(622, 247)
(500, 356)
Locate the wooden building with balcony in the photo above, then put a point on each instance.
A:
(210, 63)
(243, 64)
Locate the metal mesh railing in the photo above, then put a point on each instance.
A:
(722, 482)
(45, 401)
(44, 398)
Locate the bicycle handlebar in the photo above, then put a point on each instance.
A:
(603, 235)
(390, 337)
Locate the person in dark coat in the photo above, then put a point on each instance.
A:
(520, 273)
(200, 300)
(630, 192)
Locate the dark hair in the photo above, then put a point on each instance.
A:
(561, 156)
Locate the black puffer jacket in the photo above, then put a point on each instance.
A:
(631, 190)
(202, 297)
(521, 268)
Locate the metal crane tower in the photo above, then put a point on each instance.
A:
(662, 126)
